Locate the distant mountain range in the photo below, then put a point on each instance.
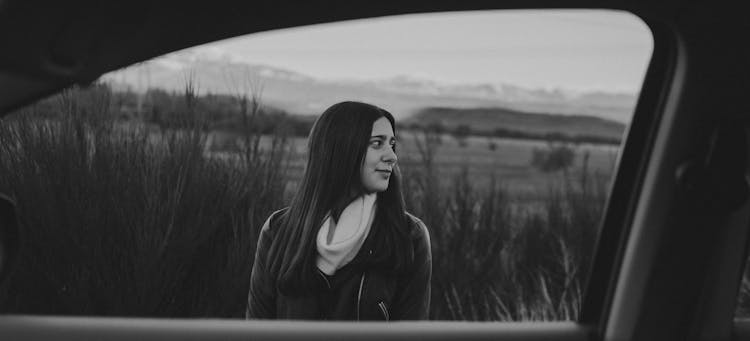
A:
(404, 96)
(505, 122)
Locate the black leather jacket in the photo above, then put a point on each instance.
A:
(354, 292)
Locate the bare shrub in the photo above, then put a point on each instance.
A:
(553, 158)
(125, 221)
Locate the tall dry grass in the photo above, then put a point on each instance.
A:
(129, 221)
(121, 219)
(496, 260)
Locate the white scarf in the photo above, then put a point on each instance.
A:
(348, 235)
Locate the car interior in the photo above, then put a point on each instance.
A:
(672, 248)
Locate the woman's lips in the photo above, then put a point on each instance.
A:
(384, 173)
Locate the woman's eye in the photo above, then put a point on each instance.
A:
(376, 143)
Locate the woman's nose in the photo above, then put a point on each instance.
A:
(390, 156)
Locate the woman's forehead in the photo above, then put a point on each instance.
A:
(382, 127)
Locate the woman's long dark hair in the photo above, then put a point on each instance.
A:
(337, 146)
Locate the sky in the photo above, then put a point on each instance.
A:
(585, 50)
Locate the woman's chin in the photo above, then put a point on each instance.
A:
(377, 188)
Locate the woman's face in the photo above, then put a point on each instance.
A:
(380, 158)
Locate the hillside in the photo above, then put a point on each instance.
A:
(490, 120)
(403, 96)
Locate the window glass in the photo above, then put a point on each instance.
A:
(144, 194)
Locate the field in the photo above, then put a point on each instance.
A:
(127, 219)
(507, 161)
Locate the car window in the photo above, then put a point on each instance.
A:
(144, 193)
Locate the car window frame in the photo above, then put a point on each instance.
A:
(632, 164)
(615, 230)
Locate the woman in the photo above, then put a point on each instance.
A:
(345, 249)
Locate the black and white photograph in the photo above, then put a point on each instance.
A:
(290, 170)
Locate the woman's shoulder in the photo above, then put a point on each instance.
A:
(420, 241)
(272, 222)
(419, 230)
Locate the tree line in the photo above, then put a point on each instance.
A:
(166, 109)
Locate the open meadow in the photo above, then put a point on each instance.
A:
(485, 160)
(124, 218)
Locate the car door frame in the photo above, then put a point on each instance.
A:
(632, 227)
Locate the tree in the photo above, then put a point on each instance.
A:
(491, 144)
(460, 133)
(553, 158)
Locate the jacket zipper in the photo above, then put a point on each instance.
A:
(384, 309)
(325, 279)
(359, 295)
